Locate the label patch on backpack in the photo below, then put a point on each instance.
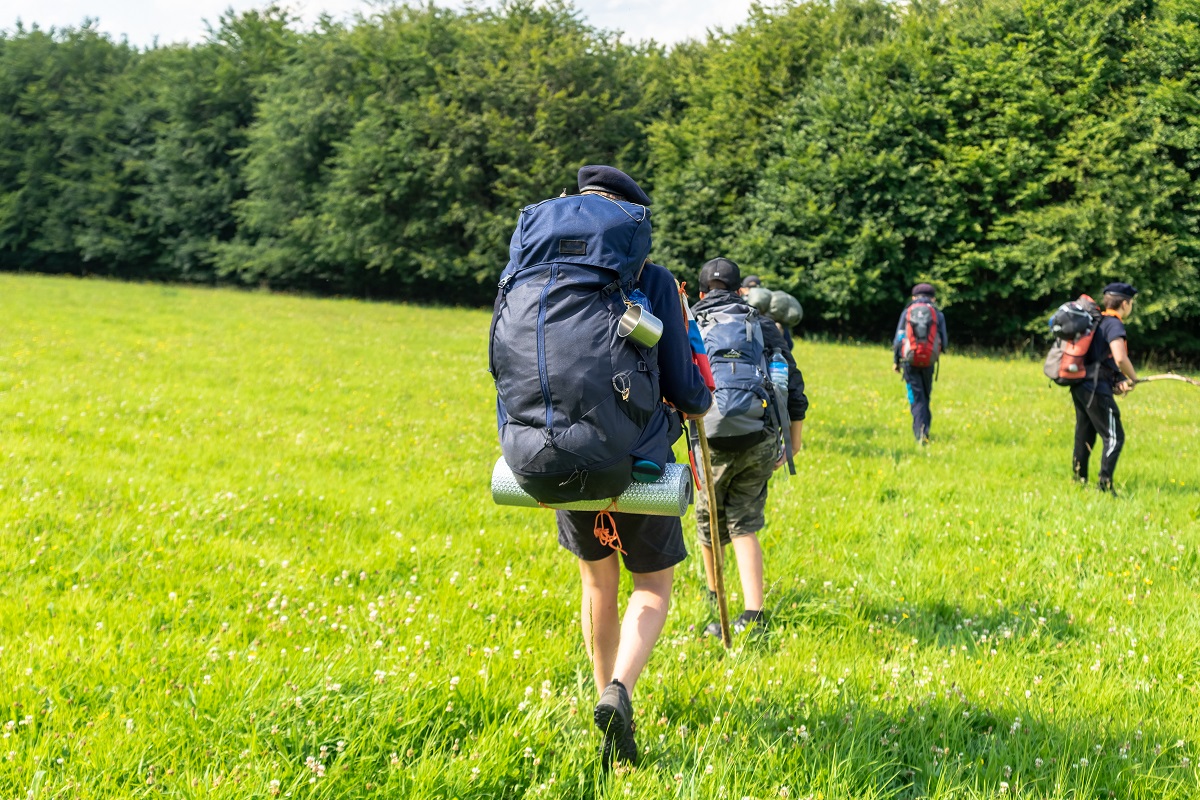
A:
(572, 247)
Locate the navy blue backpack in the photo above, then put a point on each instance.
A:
(734, 342)
(574, 399)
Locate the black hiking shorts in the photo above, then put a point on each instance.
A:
(650, 543)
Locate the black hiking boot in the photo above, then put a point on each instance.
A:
(614, 718)
(738, 624)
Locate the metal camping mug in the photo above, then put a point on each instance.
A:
(640, 325)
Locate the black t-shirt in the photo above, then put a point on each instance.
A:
(1109, 330)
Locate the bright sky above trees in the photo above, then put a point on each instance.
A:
(170, 20)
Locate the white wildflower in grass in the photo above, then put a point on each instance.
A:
(1003, 787)
(275, 612)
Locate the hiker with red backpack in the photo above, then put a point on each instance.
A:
(919, 341)
(582, 409)
(1107, 371)
(755, 424)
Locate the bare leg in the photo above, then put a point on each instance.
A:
(598, 616)
(710, 566)
(749, 555)
(644, 620)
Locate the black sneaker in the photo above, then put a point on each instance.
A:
(739, 624)
(614, 718)
(1106, 485)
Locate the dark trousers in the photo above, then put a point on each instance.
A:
(920, 387)
(1096, 414)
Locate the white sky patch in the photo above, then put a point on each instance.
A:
(142, 21)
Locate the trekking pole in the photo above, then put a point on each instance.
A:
(700, 359)
(718, 552)
(1168, 376)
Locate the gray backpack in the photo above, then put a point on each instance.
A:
(744, 397)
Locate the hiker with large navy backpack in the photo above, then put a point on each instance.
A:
(754, 426)
(919, 341)
(585, 407)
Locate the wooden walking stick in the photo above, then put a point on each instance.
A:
(1169, 376)
(717, 551)
(700, 359)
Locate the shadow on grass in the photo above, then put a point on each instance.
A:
(941, 624)
(935, 624)
(942, 745)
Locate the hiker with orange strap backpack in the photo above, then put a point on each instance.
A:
(919, 341)
(582, 410)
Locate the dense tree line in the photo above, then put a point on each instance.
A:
(1013, 152)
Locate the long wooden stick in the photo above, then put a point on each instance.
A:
(1169, 376)
(718, 552)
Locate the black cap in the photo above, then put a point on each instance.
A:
(610, 179)
(723, 270)
(1122, 289)
(750, 281)
(923, 288)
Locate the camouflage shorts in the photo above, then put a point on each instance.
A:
(741, 480)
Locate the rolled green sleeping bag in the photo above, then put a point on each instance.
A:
(668, 496)
(785, 309)
(759, 298)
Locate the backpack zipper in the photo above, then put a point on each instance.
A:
(541, 350)
(501, 296)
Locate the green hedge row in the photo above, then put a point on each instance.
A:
(1013, 152)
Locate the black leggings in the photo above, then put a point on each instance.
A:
(1096, 414)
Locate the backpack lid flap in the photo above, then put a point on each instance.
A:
(583, 229)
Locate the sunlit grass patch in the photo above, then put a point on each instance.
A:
(249, 550)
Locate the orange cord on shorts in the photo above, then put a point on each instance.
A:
(607, 537)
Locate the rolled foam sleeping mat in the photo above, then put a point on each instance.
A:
(666, 497)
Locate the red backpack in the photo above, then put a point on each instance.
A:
(1074, 326)
(922, 343)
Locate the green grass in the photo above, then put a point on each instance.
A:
(246, 535)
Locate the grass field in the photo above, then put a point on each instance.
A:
(248, 550)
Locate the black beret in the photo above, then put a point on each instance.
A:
(923, 288)
(1123, 289)
(612, 180)
(723, 270)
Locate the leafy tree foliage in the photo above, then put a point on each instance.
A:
(1013, 152)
